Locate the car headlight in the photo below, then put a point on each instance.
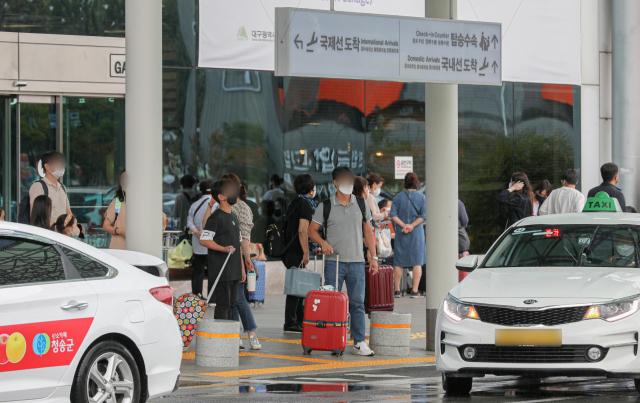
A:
(457, 311)
(613, 311)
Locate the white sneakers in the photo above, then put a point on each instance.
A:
(362, 349)
(255, 344)
(241, 345)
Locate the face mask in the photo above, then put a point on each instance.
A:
(377, 192)
(58, 173)
(625, 250)
(232, 199)
(76, 232)
(345, 189)
(540, 199)
(313, 193)
(510, 184)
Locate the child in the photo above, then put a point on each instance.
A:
(67, 224)
(221, 233)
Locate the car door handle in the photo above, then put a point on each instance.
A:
(74, 305)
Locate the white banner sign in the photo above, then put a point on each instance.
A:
(403, 165)
(359, 46)
(240, 34)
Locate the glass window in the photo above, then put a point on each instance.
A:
(179, 33)
(37, 136)
(113, 18)
(8, 196)
(27, 262)
(93, 138)
(86, 266)
(65, 17)
(395, 127)
(546, 131)
(566, 245)
(485, 157)
(324, 128)
(180, 142)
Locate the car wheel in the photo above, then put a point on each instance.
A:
(455, 386)
(108, 373)
(637, 383)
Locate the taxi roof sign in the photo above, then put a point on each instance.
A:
(602, 202)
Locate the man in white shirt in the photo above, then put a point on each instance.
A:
(566, 199)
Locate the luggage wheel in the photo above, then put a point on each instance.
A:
(260, 303)
(306, 351)
(252, 304)
(337, 352)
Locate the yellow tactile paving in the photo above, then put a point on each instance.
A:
(304, 368)
(286, 357)
(189, 355)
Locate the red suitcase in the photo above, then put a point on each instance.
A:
(326, 320)
(379, 290)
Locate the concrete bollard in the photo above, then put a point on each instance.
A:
(217, 344)
(390, 333)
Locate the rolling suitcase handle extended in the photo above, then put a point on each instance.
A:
(218, 278)
(337, 269)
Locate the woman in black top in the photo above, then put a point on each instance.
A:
(517, 201)
(297, 220)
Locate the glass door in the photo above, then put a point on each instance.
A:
(37, 136)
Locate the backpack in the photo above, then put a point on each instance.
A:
(275, 244)
(326, 210)
(24, 208)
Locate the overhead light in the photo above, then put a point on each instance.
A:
(302, 152)
(379, 154)
(19, 83)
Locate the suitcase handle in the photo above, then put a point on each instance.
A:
(337, 267)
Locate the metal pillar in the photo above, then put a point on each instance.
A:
(441, 176)
(143, 126)
(626, 96)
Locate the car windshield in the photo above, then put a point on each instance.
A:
(566, 246)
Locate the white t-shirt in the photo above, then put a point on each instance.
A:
(273, 194)
(563, 200)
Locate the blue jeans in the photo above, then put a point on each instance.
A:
(353, 275)
(243, 311)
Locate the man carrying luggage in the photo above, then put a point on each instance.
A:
(347, 223)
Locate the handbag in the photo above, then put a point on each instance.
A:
(383, 242)
(179, 255)
(299, 281)
(463, 240)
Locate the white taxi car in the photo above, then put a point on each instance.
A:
(79, 324)
(555, 295)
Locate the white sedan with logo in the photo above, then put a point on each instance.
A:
(556, 295)
(79, 324)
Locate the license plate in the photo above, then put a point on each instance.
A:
(528, 337)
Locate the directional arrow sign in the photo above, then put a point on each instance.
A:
(386, 48)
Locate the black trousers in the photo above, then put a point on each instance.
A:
(225, 296)
(294, 306)
(197, 277)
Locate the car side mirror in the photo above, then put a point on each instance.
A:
(467, 264)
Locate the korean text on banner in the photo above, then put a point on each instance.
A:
(360, 46)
